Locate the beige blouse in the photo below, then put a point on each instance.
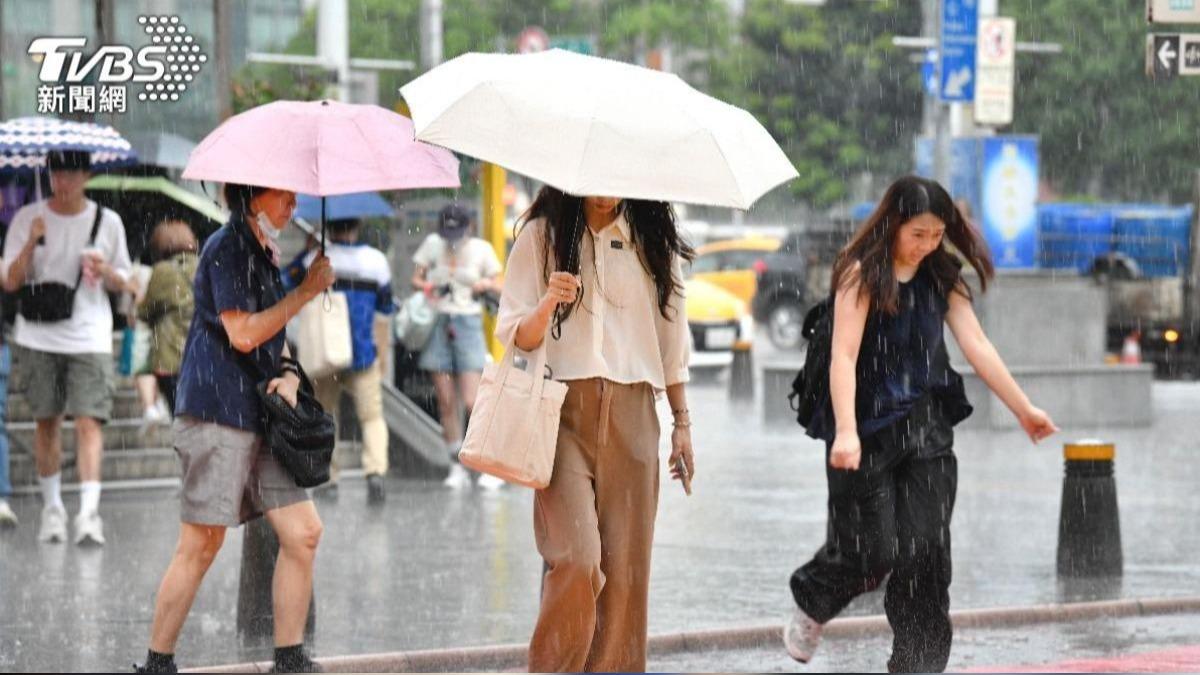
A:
(616, 332)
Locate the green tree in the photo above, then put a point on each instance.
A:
(830, 87)
(1106, 130)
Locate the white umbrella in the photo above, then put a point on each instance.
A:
(592, 126)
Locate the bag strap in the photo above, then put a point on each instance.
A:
(91, 241)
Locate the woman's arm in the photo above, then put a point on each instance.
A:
(248, 330)
(681, 431)
(850, 309)
(419, 278)
(986, 361)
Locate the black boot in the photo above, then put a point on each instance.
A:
(294, 660)
(157, 663)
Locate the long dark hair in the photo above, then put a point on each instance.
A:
(652, 227)
(871, 246)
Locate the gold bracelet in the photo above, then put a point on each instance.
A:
(681, 411)
(682, 425)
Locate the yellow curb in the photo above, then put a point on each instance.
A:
(513, 656)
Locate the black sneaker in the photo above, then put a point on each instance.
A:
(303, 665)
(376, 494)
(171, 668)
(327, 492)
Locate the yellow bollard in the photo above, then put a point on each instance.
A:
(1089, 525)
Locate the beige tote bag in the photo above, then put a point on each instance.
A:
(513, 430)
(323, 335)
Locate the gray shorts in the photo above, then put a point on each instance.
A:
(75, 385)
(229, 476)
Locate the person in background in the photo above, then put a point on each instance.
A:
(169, 303)
(138, 332)
(454, 269)
(363, 274)
(68, 365)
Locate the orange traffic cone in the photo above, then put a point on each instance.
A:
(1131, 350)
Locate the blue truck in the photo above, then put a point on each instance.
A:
(1142, 254)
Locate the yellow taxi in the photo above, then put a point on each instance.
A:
(718, 320)
(733, 264)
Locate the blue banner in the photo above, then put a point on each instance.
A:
(960, 24)
(1009, 191)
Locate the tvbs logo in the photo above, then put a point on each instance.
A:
(165, 68)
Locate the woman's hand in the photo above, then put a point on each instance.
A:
(846, 452)
(561, 289)
(319, 276)
(286, 386)
(1036, 423)
(681, 446)
(481, 286)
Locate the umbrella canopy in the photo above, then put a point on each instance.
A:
(592, 126)
(340, 207)
(321, 148)
(160, 148)
(25, 141)
(145, 201)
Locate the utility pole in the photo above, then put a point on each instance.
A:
(333, 43)
(431, 33)
(223, 46)
(938, 110)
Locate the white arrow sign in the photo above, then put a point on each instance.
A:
(1166, 55)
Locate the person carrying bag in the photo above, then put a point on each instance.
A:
(51, 301)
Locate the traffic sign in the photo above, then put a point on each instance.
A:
(995, 64)
(960, 21)
(1172, 54)
(1173, 11)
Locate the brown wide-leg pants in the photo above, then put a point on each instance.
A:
(594, 525)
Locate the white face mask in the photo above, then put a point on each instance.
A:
(268, 228)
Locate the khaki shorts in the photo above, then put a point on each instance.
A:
(229, 476)
(75, 385)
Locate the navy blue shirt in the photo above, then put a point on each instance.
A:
(902, 359)
(216, 382)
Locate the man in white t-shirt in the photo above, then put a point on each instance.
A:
(67, 365)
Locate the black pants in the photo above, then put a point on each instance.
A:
(166, 387)
(892, 515)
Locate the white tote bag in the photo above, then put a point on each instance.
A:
(323, 335)
(513, 430)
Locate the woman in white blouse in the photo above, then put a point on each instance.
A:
(597, 282)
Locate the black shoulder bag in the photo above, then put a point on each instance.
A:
(301, 438)
(810, 389)
(50, 301)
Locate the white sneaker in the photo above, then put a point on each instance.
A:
(458, 478)
(801, 636)
(8, 519)
(89, 528)
(489, 482)
(53, 529)
(151, 417)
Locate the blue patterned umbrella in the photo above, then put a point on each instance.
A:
(25, 141)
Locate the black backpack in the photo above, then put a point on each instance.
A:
(810, 389)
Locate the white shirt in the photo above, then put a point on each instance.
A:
(89, 330)
(616, 332)
(460, 266)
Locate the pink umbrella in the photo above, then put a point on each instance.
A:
(321, 148)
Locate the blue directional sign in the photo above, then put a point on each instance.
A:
(929, 72)
(960, 23)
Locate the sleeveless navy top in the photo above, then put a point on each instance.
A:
(901, 360)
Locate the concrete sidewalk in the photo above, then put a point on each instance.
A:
(763, 642)
(435, 569)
